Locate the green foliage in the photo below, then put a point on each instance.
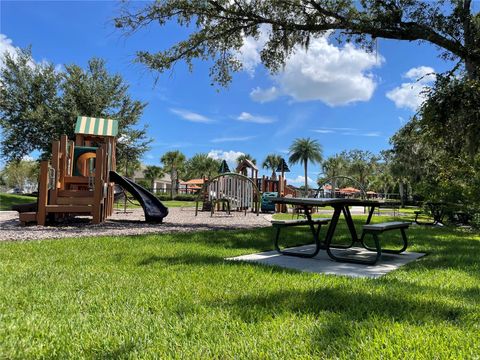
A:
(30, 105)
(451, 115)
(175, 296)
(39, 103)
(437, 152)
(334, 166)
(360, 165)
(178, 197)
(201, 166)
(305, 150)
(475, 221)
(272, 161)
(174, 163)
(17, 174)
(185, 197)
(217, 29)
(246, 157)
(145, 183)
(152, 173)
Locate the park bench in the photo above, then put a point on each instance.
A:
(377, 229)
(280, 224)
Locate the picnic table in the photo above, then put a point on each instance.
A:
(340, 205)
(437, 210)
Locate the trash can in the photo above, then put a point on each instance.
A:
(268, 205)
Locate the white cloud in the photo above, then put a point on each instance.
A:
(411, 94)
(192, 116)
(6, 47)
(423, 74)
(371, 134)
(232, 139)
(324, 131)
(264, 95)
(249, 53)
(347, 131)
(300, 180)
(333, 75)
(247, 117)
(28, 158)
(229, 156)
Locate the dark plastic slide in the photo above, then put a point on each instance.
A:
(154, 210)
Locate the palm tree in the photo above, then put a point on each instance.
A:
(173, 162)
(305, 150)
(271, 162)
(152, 173)
(246, 157)
(202, 166)
(332, 167)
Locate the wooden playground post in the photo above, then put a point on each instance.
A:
(42, 194)
(98, 189)
(56, 167)
(62, 172)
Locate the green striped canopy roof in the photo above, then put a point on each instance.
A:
(96, 126)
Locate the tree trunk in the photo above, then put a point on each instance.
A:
(401, 189)
(469, 38)
(306, 179)
(172, 174)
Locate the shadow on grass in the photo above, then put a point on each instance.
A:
(186, 259)
(337, 309)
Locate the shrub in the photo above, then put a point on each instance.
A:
(475, 220)
(186, 197)
(180, 197)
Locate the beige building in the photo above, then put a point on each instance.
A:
(161, 185)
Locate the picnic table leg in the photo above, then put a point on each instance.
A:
(351, 225)
(332, 227)
(405, 244)
(316, 237)
(369, 218)
(353, 232)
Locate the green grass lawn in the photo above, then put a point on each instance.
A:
(174, 296)
(169, 203)
(7, 200)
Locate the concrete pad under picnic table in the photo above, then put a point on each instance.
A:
(323, 264)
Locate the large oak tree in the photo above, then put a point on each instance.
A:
(219, 27)
(38, 103)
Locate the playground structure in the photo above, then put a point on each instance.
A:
(80, 178)
(232, 191)
(242, 190)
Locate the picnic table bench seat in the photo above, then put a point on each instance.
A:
(376, 229)
(279, 224)
(381, 227)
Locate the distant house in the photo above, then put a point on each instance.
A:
(161, 185)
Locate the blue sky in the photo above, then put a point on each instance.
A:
(341, 96)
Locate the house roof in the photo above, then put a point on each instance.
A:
(193, 182)
(349, 190)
